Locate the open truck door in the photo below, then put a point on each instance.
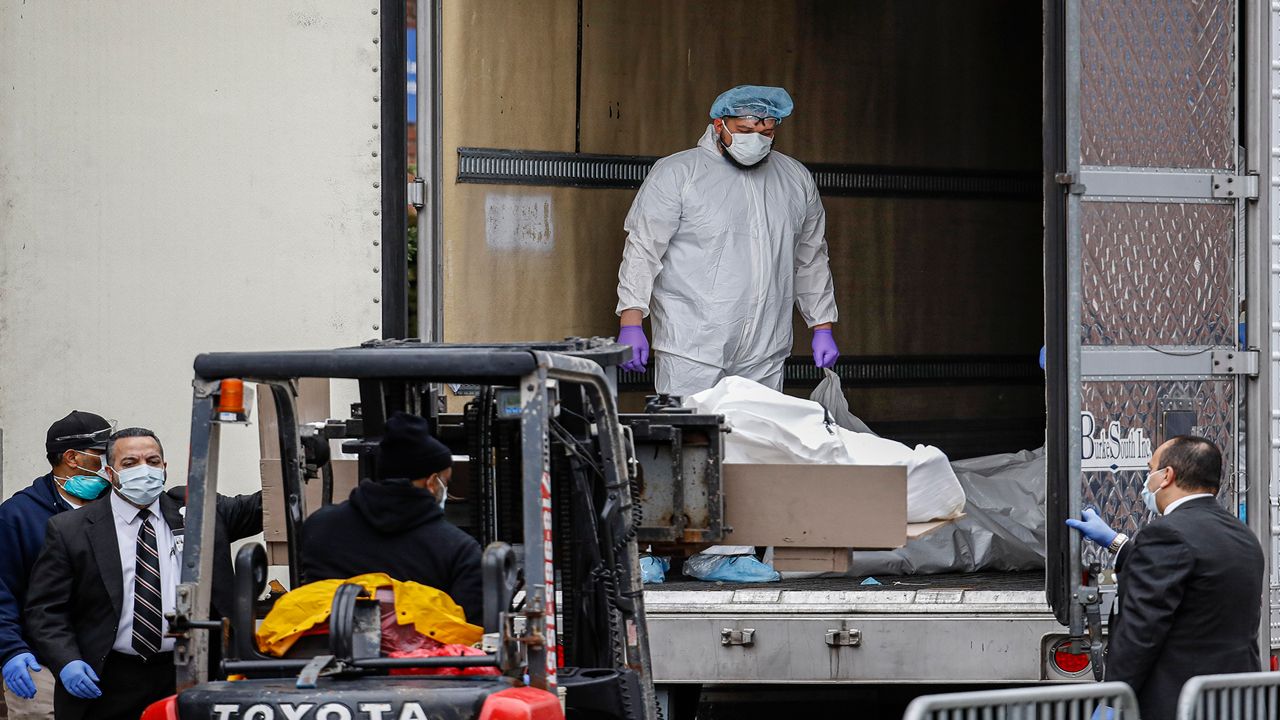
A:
(1145, 206)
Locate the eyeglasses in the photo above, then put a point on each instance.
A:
(755, 121)
(95, 435)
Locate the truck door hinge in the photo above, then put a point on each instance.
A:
(1235, 186)
(745, 637)
(417, 192)
(1234, 362)
(1068, 181)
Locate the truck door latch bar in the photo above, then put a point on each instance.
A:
(844, 637)
(746, 637)
(1167, 361)
(1159, 185)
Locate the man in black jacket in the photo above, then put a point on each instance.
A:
(1190, 583)
(395, 525)
(107, 576)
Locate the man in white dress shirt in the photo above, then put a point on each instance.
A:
(102, 586)
(1190, 583)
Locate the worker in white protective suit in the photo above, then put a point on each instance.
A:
(721, 240)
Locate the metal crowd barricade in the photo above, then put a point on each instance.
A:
(1239, 696)
(1046, 702)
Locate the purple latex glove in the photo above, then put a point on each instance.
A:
(633, 335)
(825, 352)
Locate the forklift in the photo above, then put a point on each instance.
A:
(552, 500)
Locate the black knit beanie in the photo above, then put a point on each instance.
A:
(407, 450)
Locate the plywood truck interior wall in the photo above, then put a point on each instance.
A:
(897, 84)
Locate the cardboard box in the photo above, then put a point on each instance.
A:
(816, 506)
(835, 560)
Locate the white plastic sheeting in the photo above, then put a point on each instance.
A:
(769, 427)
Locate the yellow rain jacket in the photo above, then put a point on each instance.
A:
(432, 612)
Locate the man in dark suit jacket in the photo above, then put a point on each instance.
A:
(1190, 583)
(108, 574)
(74, 447)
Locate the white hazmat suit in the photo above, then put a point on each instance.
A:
(718, 254)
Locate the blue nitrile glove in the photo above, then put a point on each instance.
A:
(79, 679)
(1093, 527)
(17, 674)
(1102, 712)
(633, 335)
(825, 352)
(1042, 357)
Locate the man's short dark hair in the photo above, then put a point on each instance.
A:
(55, 458)
(1196, 463)
(130, 433)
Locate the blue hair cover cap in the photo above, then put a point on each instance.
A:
(758, 100)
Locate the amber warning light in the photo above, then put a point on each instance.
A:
(234, 401)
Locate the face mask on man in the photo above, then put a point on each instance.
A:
(1149, 495)
(444, 491)
(140, 484)
(748, 148)
(85, 487)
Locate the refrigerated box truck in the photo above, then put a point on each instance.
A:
(1094, 176)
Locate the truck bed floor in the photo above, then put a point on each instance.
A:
(1008, 581)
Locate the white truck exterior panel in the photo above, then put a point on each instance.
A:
(176, 179)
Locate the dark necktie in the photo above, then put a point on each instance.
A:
(147, 618)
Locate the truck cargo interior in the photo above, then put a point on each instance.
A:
(923, 118)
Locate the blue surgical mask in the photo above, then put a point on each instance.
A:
(140, 484)
(85, 487)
